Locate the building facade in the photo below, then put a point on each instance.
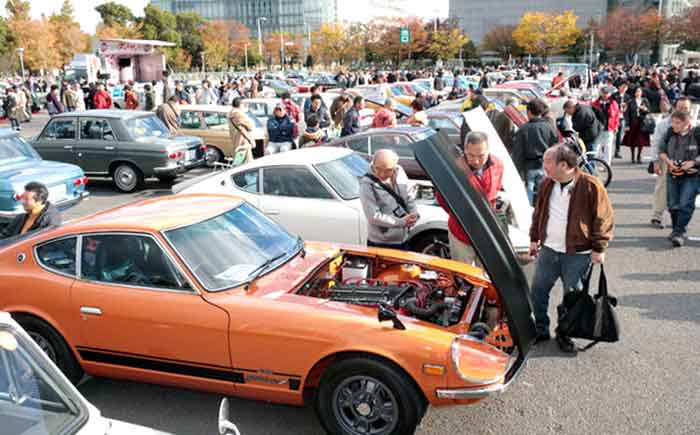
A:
(295, 16)
(476, 17)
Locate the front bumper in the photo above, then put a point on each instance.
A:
(483, 392)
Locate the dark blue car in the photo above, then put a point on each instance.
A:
(20, 164)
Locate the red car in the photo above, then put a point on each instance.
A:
(301, 86)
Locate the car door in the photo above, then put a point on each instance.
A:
(137, 309)
(97, 146)
(246, 184)
(399, 143)
(58, 140)
(215, 126)
(296, 199)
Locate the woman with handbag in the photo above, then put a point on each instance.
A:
(638, 124)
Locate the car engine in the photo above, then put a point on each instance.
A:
(410, 290)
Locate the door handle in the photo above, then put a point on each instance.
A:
(109, 148)
(272, 212)
(68, 147)
(93, 311)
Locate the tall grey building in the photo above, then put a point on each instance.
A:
(281, 15)
(476, 17)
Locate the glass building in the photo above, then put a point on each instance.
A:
(281, 15)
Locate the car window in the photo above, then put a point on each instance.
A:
(128, 259)
(296, 182)
(247, 180)
(358, 144)
(396, 142)
(95, 129)
(60, 129)
(257, 109)
(443, 124)
(190, 120)
(214, 119)
(58, 256)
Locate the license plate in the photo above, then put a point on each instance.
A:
(57, 193)
(191, 155)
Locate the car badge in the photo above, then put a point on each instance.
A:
(21, 257)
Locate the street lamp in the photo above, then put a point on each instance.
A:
(20, 51)
(245, 44)
(260, 36)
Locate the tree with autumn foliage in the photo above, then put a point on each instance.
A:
(67, 34)
(544, 34)
(117, 22)
(687, 29)
(446, 43)
(214, 45)
(500, 39)
(388, 45)
(332, 43)
(34, 36)
(628, 32)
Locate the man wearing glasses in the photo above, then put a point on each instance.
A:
(486, 174)
(389, 208)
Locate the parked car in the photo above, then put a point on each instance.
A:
(314, 191)
(448, 122)
(20, 164)
(210, 123)
(262, 108)
(206, 292)
(280, 87)
(126, 145)
(38, 399)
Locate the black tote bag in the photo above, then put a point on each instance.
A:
(592, 318)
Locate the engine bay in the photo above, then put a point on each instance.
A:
(436, 296)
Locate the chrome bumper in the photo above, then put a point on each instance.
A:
(480, 393)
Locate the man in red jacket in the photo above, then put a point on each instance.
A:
(486, 174)
(608, 113)
(102, 99)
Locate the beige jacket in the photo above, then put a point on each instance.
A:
(240, 127)
(169, 114)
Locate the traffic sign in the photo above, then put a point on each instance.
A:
(405, 36)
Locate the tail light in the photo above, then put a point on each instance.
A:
(17, 196)
(82, 181)
(176, 155)
(203, 147)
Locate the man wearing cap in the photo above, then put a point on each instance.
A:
(608, 113)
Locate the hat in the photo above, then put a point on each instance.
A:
(607, 90)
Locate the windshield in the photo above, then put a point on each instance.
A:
(147, 126)
(33, 398)
(15, 149)
(229, 250)
(343, 174)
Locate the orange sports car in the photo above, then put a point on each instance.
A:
(205, 292)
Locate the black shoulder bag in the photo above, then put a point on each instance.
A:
(400, 201)
(582, 315)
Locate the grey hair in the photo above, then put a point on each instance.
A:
(390, 153)
(476, 137)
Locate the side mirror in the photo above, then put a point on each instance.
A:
(225, 426)
(385, 313)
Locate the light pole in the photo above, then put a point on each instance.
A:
(204, 70)
(260, 36)
(20, 51)
(281, 50)
(246, 56)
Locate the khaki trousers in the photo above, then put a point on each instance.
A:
(460, 251)
(660, 199)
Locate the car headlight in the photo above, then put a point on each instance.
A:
(478, 362)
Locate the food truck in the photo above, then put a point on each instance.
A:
(132, 60)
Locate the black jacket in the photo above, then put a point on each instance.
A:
(586, 124)
(530, 143)
(49, 217)
(636, 113)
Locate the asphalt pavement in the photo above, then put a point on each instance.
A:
(645, 384)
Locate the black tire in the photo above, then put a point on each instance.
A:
(167, 178)
(214, 155)
(53, 345)
(127, 177)
(435, 243)
(601, 169)
(387, 384)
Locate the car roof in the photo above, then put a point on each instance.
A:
(156, 214)
(106, 113)
(206, 107)
(7, 132)
(303, 156)
(446, 113)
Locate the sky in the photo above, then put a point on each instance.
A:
(354, 10)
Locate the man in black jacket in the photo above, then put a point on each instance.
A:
(530, 143)
(39, 213)
(584, 122)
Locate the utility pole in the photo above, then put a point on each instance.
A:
(281, 50)
(260, 53)
(246, 56)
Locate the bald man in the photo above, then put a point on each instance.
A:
(389, 208)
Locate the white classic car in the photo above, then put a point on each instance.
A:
(36, 398)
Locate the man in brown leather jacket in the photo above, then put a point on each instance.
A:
(571, 227)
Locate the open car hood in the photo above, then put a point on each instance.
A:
(476, 216)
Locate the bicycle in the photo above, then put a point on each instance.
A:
(588, 161)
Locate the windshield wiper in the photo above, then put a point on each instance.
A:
(260, 269)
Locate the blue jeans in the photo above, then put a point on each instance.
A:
(550, 267)
(681, 194)
(533, 179)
